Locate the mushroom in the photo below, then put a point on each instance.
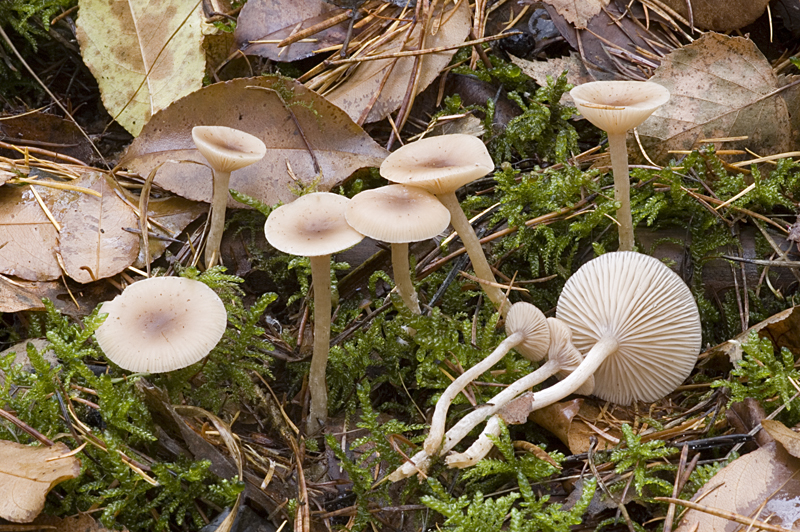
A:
(161, 324)
(398, 214)
(616, 107)
(314, 226)
(226, 149)
(441, 165)
(526, 330)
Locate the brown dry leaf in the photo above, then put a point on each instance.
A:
(783, 329)
(15, 298)
(173, 213)
(58, 134)
(721, 87)
(719, 16)
(578, 12)
(784, 435)
(144, 54)
(79, 523)
(566, 420)
(541, 70)
(764, 484)
(355, 94)
(274, 20)
(340, 146)
(26, 476)
(27, 238)
(92, 240)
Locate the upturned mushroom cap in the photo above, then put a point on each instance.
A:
(438, 164)
(617, 106)
(311, 226)
(161, 324)
(564, 352)
(648, 310)
(530, 321)
(227, 149)
(397, 214)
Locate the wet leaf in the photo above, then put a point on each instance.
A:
(274, 20)
(15, 298)
(784, 435)
(721, 87)
(26, 476)
(144, 55)
(578, 12)
(713, 15)
(356, 94)
(764, 485)
(340, 146)
(55, 134)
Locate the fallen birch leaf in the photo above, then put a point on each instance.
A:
(356, 94)
(15, 298)
(764, 485)
(566, 420)
(720, 87)
(144, 54)
(578, 12)
(58, 134)
(27, 474)
(274, 20)
(784, 435)
(339, 145)
(719, 16)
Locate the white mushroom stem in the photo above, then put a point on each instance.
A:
(473, 246)
(622, 188)
(317, 386)
(402, 277)
(479, 449)
(219, 202)
(434, 440)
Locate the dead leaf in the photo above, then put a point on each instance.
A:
(716, 16)
(27, 238)
(764, 484)
(274, 20)
(339, 145)
(721, 87)
(541, 70)
(784, 435)
(92, 240)
(144, 54)
(578, 12)
(566, 420)
(356, 94)
(15, 298)
(174, 214)
(78, 523)
(27, 474)
(58, 134)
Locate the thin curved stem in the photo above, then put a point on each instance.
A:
(434, 440)
(402, 277)
(477, 450)
(473, 246)
(622, 188)
(317, 386)
(219, 202)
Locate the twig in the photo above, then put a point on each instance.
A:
(593, 467)
(725, 514)
(27, 428)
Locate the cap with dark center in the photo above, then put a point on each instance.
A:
(161, 324)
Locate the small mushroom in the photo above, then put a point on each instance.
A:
(161, 324)
(526, 330)
(314, 226)
(617, 107)
(398, 214)
(441, 165)
(226, 149)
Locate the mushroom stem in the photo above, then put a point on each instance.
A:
(219, 202)
(402, 277)
(473, 246)
(617, 145)
(317, 386)
(479, 449)
(434, 440)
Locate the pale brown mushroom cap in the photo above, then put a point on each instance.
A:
(311, 226)
(438, 164)
(648, 310)
(618, 106)
(397, 214)
(530, 321)
(227, 149)
(161, 324)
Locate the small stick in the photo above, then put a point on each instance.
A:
(620, 505)
(725, 514)
(27, 428)
(675, 489)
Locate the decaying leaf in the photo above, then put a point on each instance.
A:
(174, 214)
(389, 78)
(764, 485)
(721, 87)
(713, 15)
(274, 20)
(783, 329)
(578, 12)
(27, 474)
(78, 523)
(265, 107)
(569, 422)
(784, 435)
(541, 70)
(144, 55)
(15, 298)
(58, 134)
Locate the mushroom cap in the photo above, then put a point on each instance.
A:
(311, 226)
(397, 214)
(617, 106)
(227, 149)
(651, 313)
(563, 351)
(161, 324)
(530, 321)
(439, 164)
